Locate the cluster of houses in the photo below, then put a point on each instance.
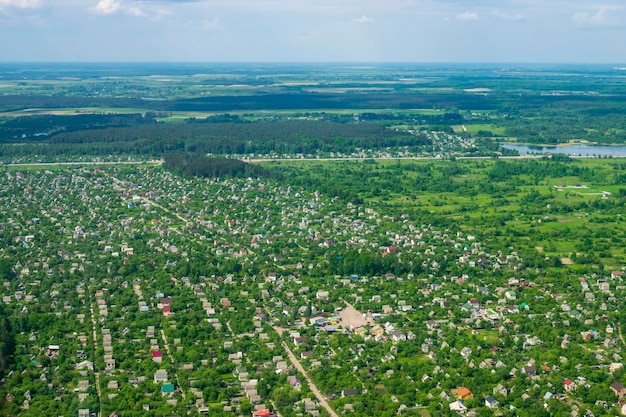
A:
(113, 256)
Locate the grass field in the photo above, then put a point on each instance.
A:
(525, 211)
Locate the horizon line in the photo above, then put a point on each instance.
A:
(317, 62)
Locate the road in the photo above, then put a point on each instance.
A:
(298, 366)
(174, 367)
(254, 160)
(43, 164)
(95, 349)
(402, 158)
(619, 332)
(170, 212)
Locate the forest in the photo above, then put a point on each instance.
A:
(139, 136)
(199, 165)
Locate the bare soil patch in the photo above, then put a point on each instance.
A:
(351, 317)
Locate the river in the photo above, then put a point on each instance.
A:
(572, 150)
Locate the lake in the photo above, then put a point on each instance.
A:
(573, 150)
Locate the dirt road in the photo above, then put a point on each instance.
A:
(298, 366)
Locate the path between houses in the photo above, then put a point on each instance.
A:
(95, 349)
(123, 185)
(169, 354)
(153, 203)
(619, 332)
(310, 383)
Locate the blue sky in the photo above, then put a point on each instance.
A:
(574, 31)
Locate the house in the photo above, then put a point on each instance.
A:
(294, 382)
(575, 314)
(299, 341)
(157, 356)
(458, 407)
(160, 376)
(529, 370)
(322, 295)
(466, 352)
(491, 402)
(465, 394)
(398, 336)
(83, 385)
(500, 390)
(618, 389)
(569, 385)
(167, 389)
(164, 302)
(84, 365)
(264, 412)
(53, 351)
(349, 392)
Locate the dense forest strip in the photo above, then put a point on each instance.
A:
(265, 137)
(7, 343)
(303, 100)
(203, 166)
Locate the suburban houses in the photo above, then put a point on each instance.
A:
(231, 297)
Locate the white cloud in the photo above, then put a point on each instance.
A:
(19, 4)
(364, 19)
(211, 25)
(161, 13)
(602, 17)
(107, 7)
(517, 17)
(467, 16)
(136, 11)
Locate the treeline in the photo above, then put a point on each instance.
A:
(7, 343)
(600, 121)
(557, 167)
(264, 137)
(41, 127)
(302, 100)
(197, 165)
(21, 102)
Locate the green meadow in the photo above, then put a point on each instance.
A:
(566, 208)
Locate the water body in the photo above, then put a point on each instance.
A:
(572, 150)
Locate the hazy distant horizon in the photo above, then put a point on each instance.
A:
(355, 64)
(426, 31)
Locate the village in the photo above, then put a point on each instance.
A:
(139, 292)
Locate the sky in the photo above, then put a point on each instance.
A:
(497, 31)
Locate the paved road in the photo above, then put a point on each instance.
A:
(296, 363)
